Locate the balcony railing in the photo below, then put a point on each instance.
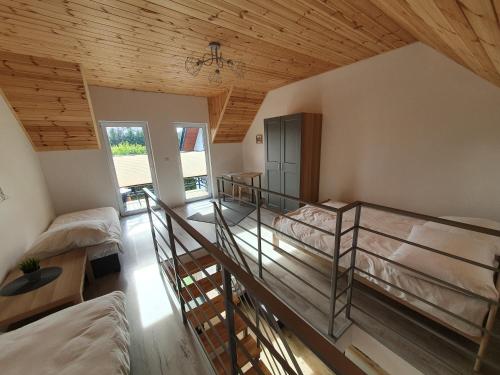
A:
(133, 197)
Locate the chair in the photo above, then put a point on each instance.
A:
(240, 188)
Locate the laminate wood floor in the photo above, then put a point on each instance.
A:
(160, 343)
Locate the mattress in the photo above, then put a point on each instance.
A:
(103, 250)
(471, 309)
(98, 230)
(89, 338)
(109, 215)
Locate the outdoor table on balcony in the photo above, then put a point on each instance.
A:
(125, 190)
(243, 175)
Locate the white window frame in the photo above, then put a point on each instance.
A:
(204, 128)
(107, 146)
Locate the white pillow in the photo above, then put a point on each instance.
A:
(107, 214)
(467, 276)
(486, 223)
(69, 236)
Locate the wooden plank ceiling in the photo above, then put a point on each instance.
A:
(468, 31)
(232, 113)
(142, 45)
(49, 98)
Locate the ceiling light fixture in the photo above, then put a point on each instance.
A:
(214, 58)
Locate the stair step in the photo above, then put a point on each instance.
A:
(221, 329)
(250, 345)
(208, 310)
(189, 268)
(262, 367)
(193, 291)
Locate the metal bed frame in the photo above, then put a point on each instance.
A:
(353, 272)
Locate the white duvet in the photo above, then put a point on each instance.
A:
(400, 226)
(99, 226)
(89, 338)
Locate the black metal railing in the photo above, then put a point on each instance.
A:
(134, 195)
(196, 183)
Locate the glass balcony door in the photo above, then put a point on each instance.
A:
(129, 152)
(194, 161)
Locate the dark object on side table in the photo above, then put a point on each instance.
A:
(105, 265)
(24, 284)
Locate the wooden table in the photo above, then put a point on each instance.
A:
(243, 175)
(65, 290)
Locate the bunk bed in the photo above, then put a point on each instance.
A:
(310, 229)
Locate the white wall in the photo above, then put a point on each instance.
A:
(409, 128)
(78, 180)
(28, 209)
(81, 179)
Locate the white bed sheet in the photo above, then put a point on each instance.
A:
(97, 247)
(89, 338)
(458, 303)
(103, 250)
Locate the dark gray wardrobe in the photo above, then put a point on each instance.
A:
(293, 148)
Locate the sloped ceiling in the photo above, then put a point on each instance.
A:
(468, 31)
(143, 45)
(232, 113)
(50, 100)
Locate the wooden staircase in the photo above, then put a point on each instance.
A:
(210, 304)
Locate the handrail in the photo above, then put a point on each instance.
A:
(451, 223)
(329, 208)
(320, 344)
(397, 211)
(339, 272)
(224, 223)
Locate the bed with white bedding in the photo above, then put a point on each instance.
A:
(403, 227)
(97, 230)
(89, 338)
